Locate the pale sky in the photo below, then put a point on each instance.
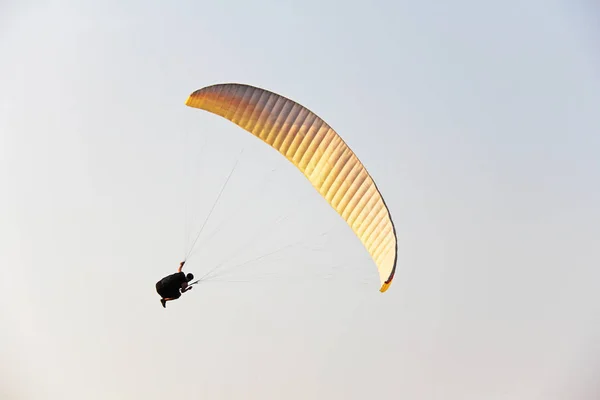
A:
(480, 122)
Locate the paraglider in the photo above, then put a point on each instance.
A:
(171, 287)
(319, 153)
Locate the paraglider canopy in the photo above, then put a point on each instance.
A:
(319, 153)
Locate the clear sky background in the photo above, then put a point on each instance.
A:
(480, 122)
